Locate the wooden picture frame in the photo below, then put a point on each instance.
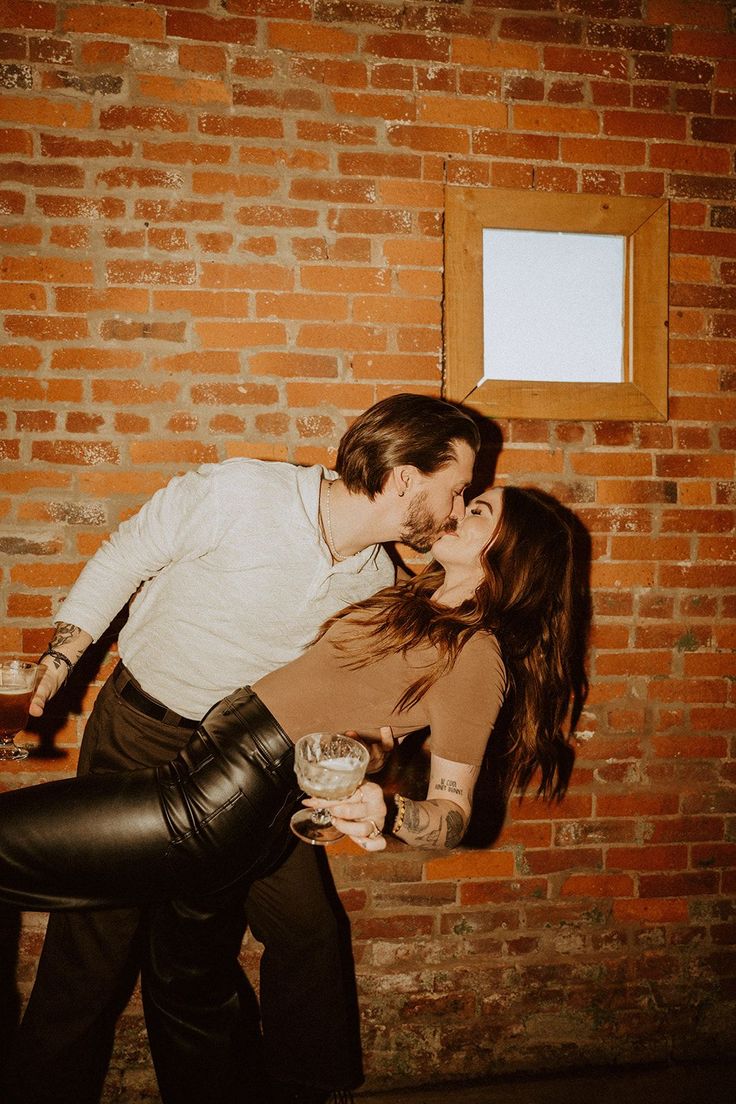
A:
(644, 224)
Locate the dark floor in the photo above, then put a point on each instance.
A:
(696, 1083)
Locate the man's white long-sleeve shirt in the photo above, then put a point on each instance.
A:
(236, 580)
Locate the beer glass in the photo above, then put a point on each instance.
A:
(327, 766)
(18, 682)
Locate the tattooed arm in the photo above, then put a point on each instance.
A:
(440, 821)
(69, 641)
(437, 822)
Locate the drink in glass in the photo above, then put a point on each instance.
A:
(18, 681)
(330, 767)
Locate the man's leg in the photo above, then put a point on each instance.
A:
(85, 976)
(309, 1007)
(202, 1025)
(201, 1014)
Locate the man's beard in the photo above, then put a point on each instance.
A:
(421, 529)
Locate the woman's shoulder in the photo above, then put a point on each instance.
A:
(484, 646)
(480, 662)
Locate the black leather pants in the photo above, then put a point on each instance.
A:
(215, 815)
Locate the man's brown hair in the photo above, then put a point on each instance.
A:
(403, 429)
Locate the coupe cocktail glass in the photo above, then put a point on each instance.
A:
(330, 767)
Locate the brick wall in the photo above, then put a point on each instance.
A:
(222, 235)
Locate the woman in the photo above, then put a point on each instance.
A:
(493, 617)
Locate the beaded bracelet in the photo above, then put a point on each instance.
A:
(59, 655)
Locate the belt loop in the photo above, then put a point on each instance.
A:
(121, 675)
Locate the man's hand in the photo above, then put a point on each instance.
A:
(70, 641)
(52, 679)
(379, 747)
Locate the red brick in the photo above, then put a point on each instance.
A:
(131, 392)
(29, 605)
(695, 158)
(628, 36)
(206, 28)
(497, 892)
(228, 394)
(487, 54)
(598, 885)
(150, 272)
(15, 140)
(257, 215)
(88, 453)
(221, 362)
(563, 858)
(111, 20)
(203, 59)
(652, 911)
(182, 153)
(46, 270)
(687, 13)
(702, 44)
(172, 452)
(644, 184)
(719, 718)
(46, 329)
(22, 297)
(714, 854)
(679, 70)
(673, 857)
(122, 117)
(428, 138)
(636, 805)
(104, 53)
(678, 885)
(641, 124)
(415, 46)
(540, 29)
(603, 151)
(310, 40)
(380, 164)
(239, 335)
(88, 359)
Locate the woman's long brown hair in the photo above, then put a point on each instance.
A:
(527, 599)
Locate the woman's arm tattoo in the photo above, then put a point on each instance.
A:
(455, 828)
(432, 825)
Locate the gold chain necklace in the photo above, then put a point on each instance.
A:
(328, 530)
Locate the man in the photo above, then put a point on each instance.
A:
(233, 567)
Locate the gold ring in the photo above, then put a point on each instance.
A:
(376, 830)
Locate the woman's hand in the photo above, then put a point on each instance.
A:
(360, 816)
(378, 747)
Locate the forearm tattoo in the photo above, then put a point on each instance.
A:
(455, 829)
(65, 634)
(429, 826)
(66, 647)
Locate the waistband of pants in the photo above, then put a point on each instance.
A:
(132, 693)
(243, 713)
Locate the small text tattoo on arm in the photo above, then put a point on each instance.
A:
(449, 785)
